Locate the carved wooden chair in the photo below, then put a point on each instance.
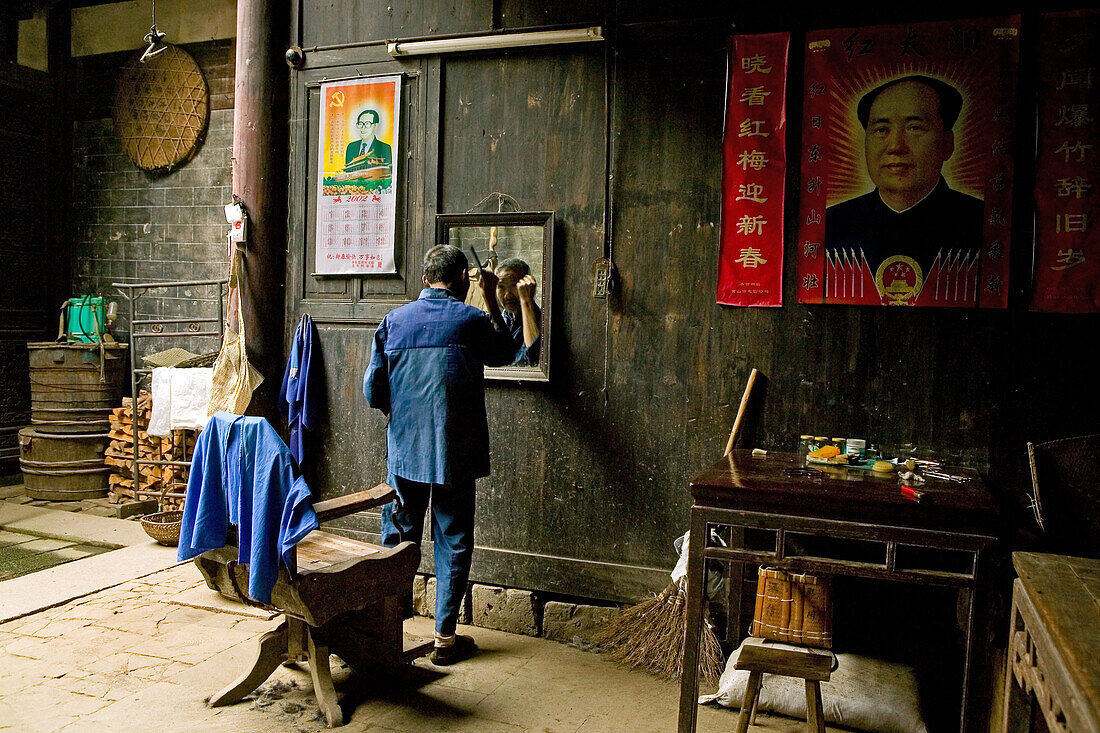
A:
(346, 598)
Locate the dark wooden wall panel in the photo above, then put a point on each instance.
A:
(325, 23)
(528, 14)
(352, 440)
(33, 139)
(673, 364)
(538, 136)
(589, 486)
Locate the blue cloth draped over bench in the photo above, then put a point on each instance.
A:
(243, 474)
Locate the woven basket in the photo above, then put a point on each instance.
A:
(168, 358)
(161, 109)
(202, 360)
(164, 527)
(180, 358)
(796, 608)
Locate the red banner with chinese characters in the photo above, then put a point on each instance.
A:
(906, 190)
(754, 168)
(1067, 206)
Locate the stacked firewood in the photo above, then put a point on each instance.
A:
(167, 484)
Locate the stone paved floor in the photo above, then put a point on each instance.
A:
(24, 553)
(135, 658)
(144, 655)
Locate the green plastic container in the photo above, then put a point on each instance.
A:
(85, 319)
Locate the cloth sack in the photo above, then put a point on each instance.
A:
(863, 693)
(234, 378)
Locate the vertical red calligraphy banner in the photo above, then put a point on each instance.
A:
(754, 167)
(1067, 205)
(906, 189)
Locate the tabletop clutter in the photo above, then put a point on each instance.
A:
(856, 454)
(831, 490)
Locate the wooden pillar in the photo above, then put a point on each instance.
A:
(259, 180)
(59, 59)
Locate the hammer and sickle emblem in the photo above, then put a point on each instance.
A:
(337, 99)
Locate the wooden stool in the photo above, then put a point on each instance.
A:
(812, 665)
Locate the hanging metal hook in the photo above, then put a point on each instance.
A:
(501, 198)
(154, 38)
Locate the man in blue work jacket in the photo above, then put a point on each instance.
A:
(427, 374)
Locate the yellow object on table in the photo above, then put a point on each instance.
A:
(825, 451)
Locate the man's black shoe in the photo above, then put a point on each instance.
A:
(463, 648)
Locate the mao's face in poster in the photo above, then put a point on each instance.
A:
(906, 143)
(906, 140)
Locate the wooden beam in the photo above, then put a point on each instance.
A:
(259, 180)
(341, 506)
(58, 231)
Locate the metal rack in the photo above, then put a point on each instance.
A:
(155, 328)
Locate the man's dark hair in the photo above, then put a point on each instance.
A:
(517, 267)
(368, 112)
(950, 100)
(444, 263)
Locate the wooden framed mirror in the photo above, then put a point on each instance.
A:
(512, 244)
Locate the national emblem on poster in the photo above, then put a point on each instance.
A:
(907, 167)
(357, 175)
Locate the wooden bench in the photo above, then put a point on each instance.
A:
(760, 657)
(1054, 644)
(347, 598)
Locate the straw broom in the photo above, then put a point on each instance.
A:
(650, 635)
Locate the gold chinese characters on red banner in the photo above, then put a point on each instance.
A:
(907, 169)
(1067, 207)
(754, 167)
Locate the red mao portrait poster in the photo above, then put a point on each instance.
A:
(1067, 205)
(754, 167)
(906, 188)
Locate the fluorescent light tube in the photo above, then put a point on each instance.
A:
(499, 40)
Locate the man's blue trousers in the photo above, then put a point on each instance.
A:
(452, 535)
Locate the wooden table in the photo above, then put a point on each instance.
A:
(768, 515)
(1054, 643)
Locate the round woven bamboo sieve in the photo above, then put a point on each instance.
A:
(161, 109)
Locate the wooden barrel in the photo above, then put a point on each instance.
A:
(63, 466)
(74, 386)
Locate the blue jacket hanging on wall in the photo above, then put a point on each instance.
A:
(300, 395)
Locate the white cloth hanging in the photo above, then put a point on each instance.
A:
(181, 398)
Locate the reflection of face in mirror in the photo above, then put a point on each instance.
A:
(516, 295)
(515, 255)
